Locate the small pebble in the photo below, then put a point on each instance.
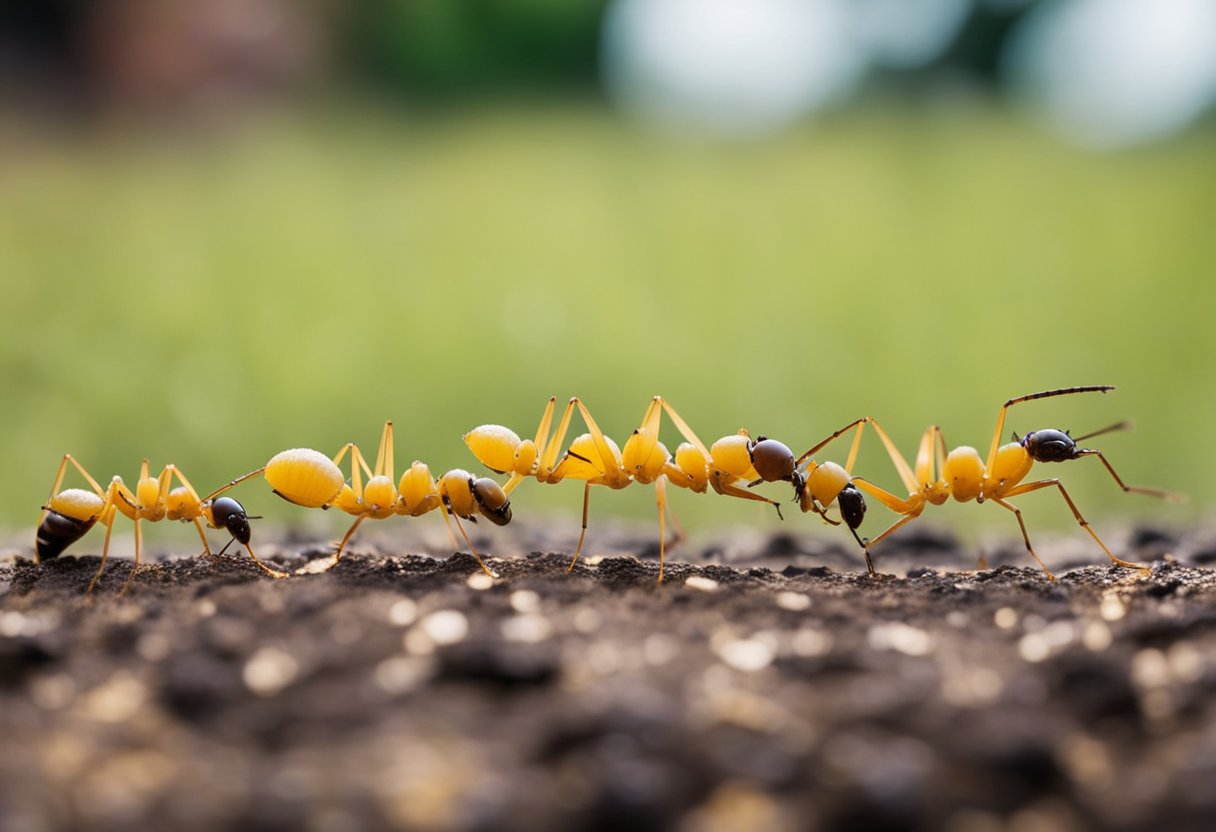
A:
(1112, 607)
(748, 654)
(269, 670)
(525, 600)
(403, 613)
(528, 628)
(660, 648)
(1006, 618)
(808, 642)
(118, 699)
(480, 581)
(401, 674)
(895, 635)
(702, 584)
(795, 601)
(1096, 636)
(446, 626)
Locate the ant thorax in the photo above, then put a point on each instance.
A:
(644, 465)
(379, 497)
(1010, 467)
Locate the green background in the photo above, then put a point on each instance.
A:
(212, 301)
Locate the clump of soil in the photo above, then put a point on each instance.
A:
(777, 687)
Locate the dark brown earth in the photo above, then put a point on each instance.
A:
(775, 688)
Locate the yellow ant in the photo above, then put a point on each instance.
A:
(69, 514)
(965, 476)
(309, 478)
(596, 459)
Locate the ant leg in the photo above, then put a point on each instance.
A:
(203, 536)
(660, 493)
(927, 454)
(647, 432)
(615, 476)
(896, 504)
(350, 448)
(135, 567)
(194, 495)
(866, 544)
(465, 535)
(855, 446)
(910, 480)
(908, 508)
(552, 446)
(269, 570)
(109, 512)
(337, 555)
(451, 534)
(677, 533)
(346, 537)
(856, 423)
(683, 427)
(542, 430)
(384, 457)
(735, 491)
(1152, 492)
(1046, 394)
(1018, 514)
(583, 533)
(1035, 486)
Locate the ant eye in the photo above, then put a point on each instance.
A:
(773, 460)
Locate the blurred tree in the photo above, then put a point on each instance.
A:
(440, 48)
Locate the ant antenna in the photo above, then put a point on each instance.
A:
(1126, 424)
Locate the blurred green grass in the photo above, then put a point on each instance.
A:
(210, 302)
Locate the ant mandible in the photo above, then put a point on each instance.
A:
(69, 514)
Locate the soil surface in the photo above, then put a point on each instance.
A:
(769, 684)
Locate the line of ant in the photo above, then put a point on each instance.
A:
(731, 465)
(960, 474)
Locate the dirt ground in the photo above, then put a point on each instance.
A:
(768, 685)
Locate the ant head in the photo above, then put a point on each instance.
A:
(229, 514)
(852, 505)
(1049, 445)
(492, 500)
(773, 460)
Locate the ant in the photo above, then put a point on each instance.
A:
(965, 476)
(69, 514)
(817, 485)
(596, 459)
(309, 478)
